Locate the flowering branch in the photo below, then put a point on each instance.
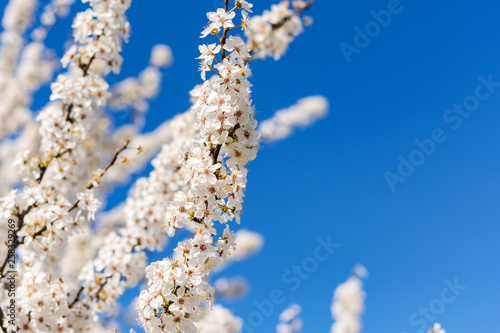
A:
(91, 184)
(224, 121)
(272, 32)
(212, 178)
(300, 7)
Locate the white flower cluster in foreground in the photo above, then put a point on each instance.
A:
(103, 277)
(49, 301)
(214, 168)
(74, 263)
(304, 113)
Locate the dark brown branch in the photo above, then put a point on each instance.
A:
(80, 291)
(77, 297)
(224, 34)
(85, 68)
(44, 166)
(216, 151)
(67, 116)
(101, 286)
(113, 160)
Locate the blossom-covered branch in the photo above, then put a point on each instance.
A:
(348, 303)
(225, 127)
(304, 113)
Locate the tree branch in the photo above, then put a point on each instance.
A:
(297, 12)
(75, 204)
(77, 298)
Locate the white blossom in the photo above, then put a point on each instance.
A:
(289, 320)
(304, 113)
(219, 320)
(270, 33)
(348, 303)
(213, 167)
(231, 288)
(74, 264)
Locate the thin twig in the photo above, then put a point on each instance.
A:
(224, 34)
(216, 151)
(101, 286)
(77, 297)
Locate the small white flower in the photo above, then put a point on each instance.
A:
(88, 202)
(237, 46)
(208, 52)
(7, 204)
(242, 4)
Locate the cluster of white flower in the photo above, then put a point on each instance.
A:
(214, 167)
(50, 298)
(18, 14)
(304, 113)
(231, 288)
(99, 31)
(70, 271)
(289, 320)
(249, 243)
(135, 92)
(270, 33)
(348, 303)
(143, 217)
(64, 126)
(43, 207)
(57, 246)
(17, 77)
(43, 236)
(219, 320)
(143, 210)
(149, 142)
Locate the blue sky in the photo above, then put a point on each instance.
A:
(440, 224)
